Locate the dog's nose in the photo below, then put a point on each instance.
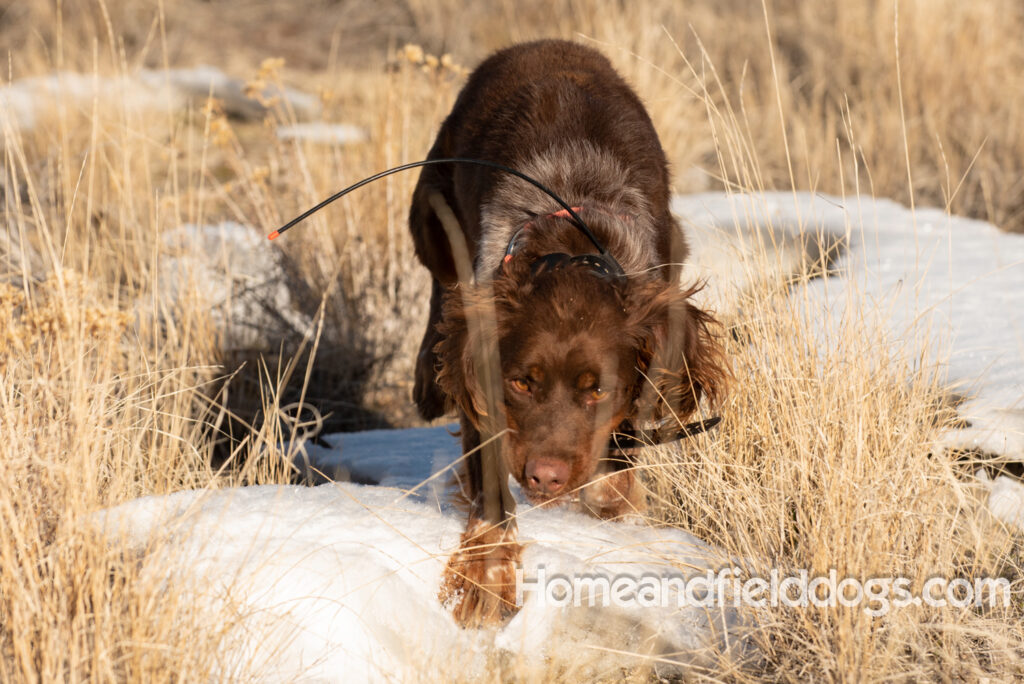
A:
(547, 475)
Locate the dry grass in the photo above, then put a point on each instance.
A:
(960, 69)
(109, 391)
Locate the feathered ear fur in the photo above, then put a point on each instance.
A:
(473, 320)
(678, 350)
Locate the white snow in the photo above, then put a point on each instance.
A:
(202, 81)
(339, 582)
(922, 274)
(323, 132)
(1005, 498)
(407, 459)
(24, 101)
(917, 273)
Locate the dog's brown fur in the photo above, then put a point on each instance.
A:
(579, 356)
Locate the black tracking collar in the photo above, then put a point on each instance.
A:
(603, 265)
(632, 439)
(596, 263)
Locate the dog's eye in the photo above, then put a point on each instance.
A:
(520, 385)
(598, 393)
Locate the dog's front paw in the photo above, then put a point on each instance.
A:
(479, 582)
(612, 495)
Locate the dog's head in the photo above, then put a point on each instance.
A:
(580, 354)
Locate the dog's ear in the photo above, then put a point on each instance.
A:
(679, 352)
(456, 373)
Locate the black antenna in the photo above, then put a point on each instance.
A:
(576, 220)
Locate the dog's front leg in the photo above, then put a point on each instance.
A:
(478, 585)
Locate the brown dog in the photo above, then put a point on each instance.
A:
(582, 353)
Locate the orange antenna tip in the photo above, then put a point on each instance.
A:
(273, 235)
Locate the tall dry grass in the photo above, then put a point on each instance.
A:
(109, 391)
(956, 77)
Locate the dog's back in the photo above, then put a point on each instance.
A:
(559, 112)
(537, 96)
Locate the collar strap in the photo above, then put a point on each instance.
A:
(632, 439)
(597, 264)
(604, 265)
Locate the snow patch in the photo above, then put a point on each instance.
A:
(1005, 498)
(731, 248)
(200, 82)
(25, 101)
(960, 279)
(324, 133)
(407, 459)
(339, 582)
